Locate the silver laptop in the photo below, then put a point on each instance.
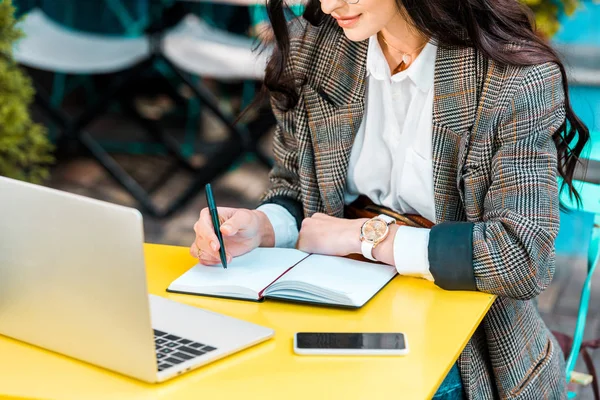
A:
(72, 280)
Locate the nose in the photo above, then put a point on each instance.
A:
(329, 6)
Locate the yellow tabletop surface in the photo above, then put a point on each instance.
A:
(437, 325)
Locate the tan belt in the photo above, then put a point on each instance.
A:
(363, 207)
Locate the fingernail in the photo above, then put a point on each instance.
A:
(214, 246)
(225, 229)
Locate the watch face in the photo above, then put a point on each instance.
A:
(374, 230)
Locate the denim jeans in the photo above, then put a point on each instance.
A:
(452, 387)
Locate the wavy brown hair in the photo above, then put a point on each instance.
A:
(490, 26)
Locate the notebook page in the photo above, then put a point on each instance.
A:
(338, 277)
(252, 272)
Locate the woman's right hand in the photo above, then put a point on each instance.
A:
(242, 230)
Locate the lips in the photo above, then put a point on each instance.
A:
(347, 22)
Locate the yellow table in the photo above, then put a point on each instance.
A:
(437, 325)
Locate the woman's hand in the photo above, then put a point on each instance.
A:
(323, 234)
(242, 230)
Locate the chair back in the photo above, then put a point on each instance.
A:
(588, 186)
(123, 18)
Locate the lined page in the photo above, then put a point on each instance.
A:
(251, 272)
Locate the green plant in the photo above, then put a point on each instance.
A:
(547, 13)
(25, 151)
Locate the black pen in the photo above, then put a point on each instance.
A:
(212, 207)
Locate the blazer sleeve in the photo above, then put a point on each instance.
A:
(284, 188)
(511, 251)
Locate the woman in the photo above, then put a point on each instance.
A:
(451, 109)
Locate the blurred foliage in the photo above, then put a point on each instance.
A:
(25, 151)
(547, 13)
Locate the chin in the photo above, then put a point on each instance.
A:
(356, 35)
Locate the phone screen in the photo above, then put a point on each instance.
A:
(365, 341)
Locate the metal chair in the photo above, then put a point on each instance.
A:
(578, 43)
(193, 48)
(51, 47)
(589, 188)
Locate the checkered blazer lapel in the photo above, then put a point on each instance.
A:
(335, 109)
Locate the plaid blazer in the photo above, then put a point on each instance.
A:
(496, 196)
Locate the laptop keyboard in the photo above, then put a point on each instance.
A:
(172, 350)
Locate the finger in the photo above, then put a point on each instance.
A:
(209, 259)
(204, 256)
(206, 226)
(205, 231)
(237, 222)
(223, 212)
(194, 250)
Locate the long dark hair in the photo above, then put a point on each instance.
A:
(490, 26)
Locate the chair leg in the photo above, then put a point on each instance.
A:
(210, 101)
(152, 127)
(118, 85)
(105, 160)
(242, 133)
(191, 123)
(73, 132)
(217, 164)
(225, 152)
(118, 173)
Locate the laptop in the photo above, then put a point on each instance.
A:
(73, 280)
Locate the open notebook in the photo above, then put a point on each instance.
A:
(288, 274)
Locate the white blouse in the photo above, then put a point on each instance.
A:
(390, 161)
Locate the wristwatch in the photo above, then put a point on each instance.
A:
(373, 232)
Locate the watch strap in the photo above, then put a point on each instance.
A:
(367, 250)
(388, 220)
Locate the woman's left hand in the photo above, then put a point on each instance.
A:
(323, 234)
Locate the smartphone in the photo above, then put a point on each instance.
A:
(350, 343)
